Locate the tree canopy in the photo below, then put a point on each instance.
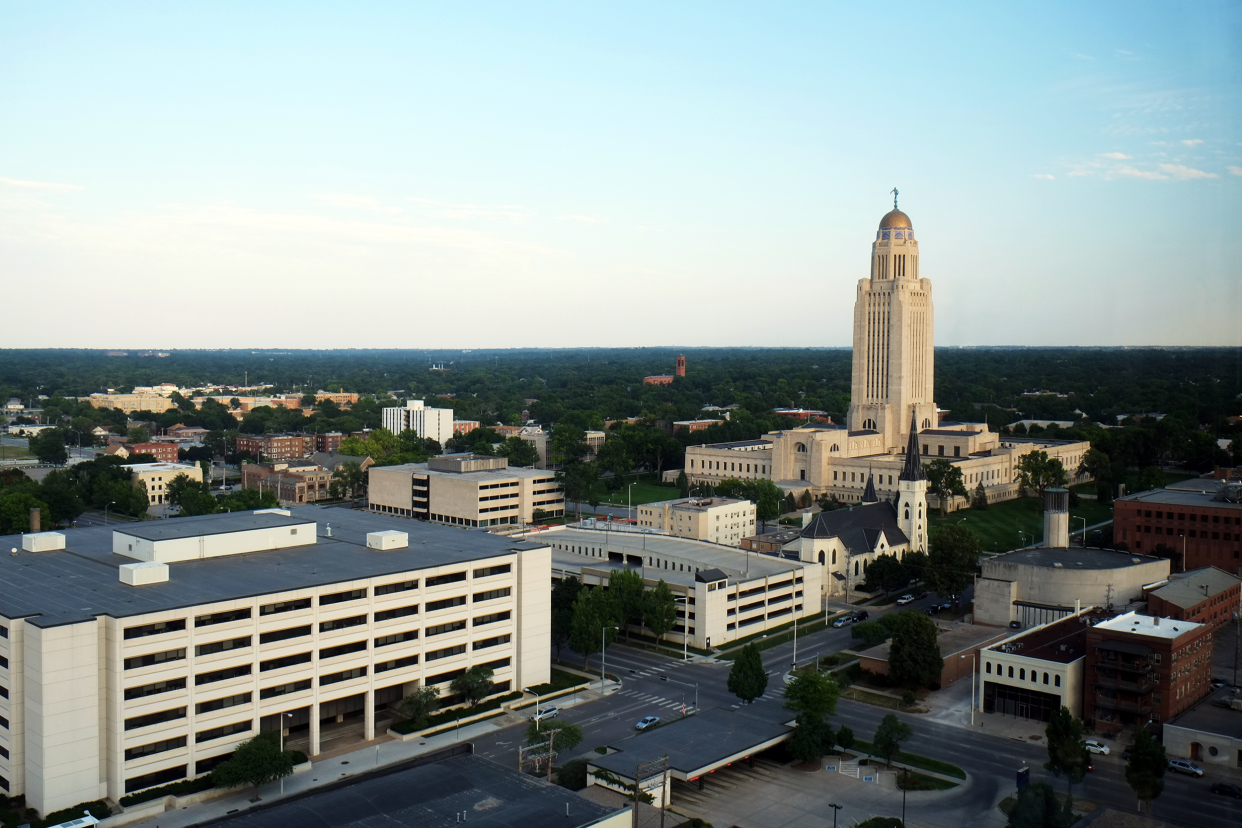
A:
(747, 677)
(255, 762)
(952, 558)
(914, 654)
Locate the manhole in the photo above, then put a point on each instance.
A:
(346, 761)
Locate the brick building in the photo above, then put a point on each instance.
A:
(464, 426)
(667, 379)
(163, 452)
(1143, 669)
(329, 442)
(293, 481)
(1205, 528)
(1205, 596)
(276, 446)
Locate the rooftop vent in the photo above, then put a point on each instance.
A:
(43, 541)
(388, 539)
(1057, 564)
(284, 512)
(147, 572)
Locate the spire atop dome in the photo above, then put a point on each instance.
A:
(869, 495)
(914, 466)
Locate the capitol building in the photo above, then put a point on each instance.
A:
(892, 409)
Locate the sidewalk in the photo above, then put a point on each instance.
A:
(343, 763)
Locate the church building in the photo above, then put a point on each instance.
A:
(892, 410)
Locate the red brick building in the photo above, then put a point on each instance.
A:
(1143, 669)
(329, 442)
(276, 446)
(464, 426)
(163, 452)
(1208, 531)
(667, 379)
(1205, 596)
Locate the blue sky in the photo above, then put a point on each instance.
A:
(492, 175)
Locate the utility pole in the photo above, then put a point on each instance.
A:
(551, 743)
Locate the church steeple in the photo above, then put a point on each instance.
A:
(869, 495)
(913, 469)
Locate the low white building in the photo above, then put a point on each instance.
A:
(428, 423)
(1034, 673)
(141, 655)
(716, 519)
(155, 477)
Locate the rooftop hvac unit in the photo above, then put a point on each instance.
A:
(43, 541)
(388, 539)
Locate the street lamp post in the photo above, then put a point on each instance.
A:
(282, 750)
(629, 491)
(1022, 536)
(835, 807)
(973, 664)
(1084, 530)
(106, 505)
(603, 655)
(528, 690)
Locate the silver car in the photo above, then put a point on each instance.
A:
(1185, 766)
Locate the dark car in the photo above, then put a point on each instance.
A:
(1227, 789)
(1015, 625)
(920, 596)
(861, 615)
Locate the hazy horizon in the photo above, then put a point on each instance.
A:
(553, 176)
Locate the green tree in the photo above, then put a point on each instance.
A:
(747, 677)
(474, 685)
(594, 617)
(812, 692)
(15, 509)
(916, 565)
(419, 705)
(563, 595)
(1037, 807)
(845, 737)
(766, 496)
(1145, 770)
(952, 558)
(889, 736)
(871, 633)
(190, 496)
(659, 609)
(1067, 751)
(886, 573)
(811, 737)
(979, 500)
(914, 654)
(1150, 477)
(1235, 450)
(1096, 465)
(1036, 470)
(350, 478)
(944, 480)
(568, 444)
(138, 434)
(255, 762)
(683, 483)
(48, 446)
(519, 452)
(626, 588)
(568, 734)
(578, 480)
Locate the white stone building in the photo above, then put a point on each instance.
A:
(428, 423)
(138, 656)
(721, 520)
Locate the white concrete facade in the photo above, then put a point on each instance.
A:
(715, 519)
(429, 423)
(110, 705)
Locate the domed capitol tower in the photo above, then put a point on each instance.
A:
(894, 368)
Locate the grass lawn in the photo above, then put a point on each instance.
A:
(647, 490)
(998, 525)
(1081, 805)
(914, 760)
(916, 781)
(1132, 484)
(877, 699)
(561, 680)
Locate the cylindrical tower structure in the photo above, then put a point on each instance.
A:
(1056, 518)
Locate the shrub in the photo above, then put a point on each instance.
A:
(573, 775)
(183, 788)
(908, 698)
(98, 809)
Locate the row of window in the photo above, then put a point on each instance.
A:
(987, 668)
(708, 466)
(1237, 521)
(228, 616)
(1202, 534)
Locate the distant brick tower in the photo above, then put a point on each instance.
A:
(681, 366)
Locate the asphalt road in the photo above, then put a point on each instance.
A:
(655, 685)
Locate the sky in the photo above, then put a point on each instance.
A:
(444, 175)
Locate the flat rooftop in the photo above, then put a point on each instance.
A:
(734, 563)
(953, 638)
(490, 794)
(75, 584)
(1046, 641)
(193, 527)
(1071, 558)
(1213, 715)
(1132, 622)
(696, 744)
(507, 473)
(1202, 496)
(738, 444)
(1189, 589)
(152, 467)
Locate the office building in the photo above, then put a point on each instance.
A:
(1203, 527)
(292, 481)
(140, 655)
(1034, 673)
(428, 423)
(721, 520)
(155, 477)
(464, 490)
(264, 447)
(1206, 596)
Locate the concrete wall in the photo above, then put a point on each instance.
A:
(1186, 742)
(533, 648)
(1069, 675)
(1060, 586)
(213, 546)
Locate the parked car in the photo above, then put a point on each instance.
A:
(1015, 625)
(1217, 684)
(549, 712)
(1128, 752)
(861, 615)
(1094, 746)
(905, 599)
(1185, 766)
(921, 595)
(647, 722)
(1227, 789)
(844, 621)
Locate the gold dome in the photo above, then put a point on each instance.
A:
(895, 218)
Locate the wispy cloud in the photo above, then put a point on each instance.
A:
(583, 219)
(502, 213)
(1131, 172)
(1234, 170)
(1116, 156)
(352, 202)
(1191, 142)
(39, 185)
(1183, 173)
(1044, 176)
(1084, 57)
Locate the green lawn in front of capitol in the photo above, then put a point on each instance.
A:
(648, 489)
(998, 526)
